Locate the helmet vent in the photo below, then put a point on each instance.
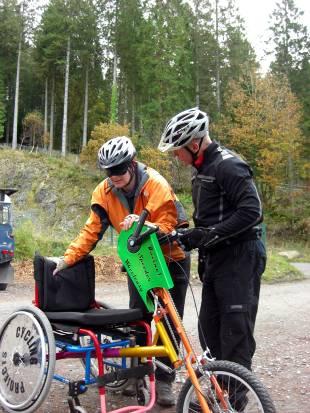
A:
(202, 127)
(115, 152)
(183, 128)
(180, 127)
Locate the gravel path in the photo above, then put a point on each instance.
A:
(304, 267)
(282, 359)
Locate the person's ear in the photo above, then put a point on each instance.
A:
(194, 146)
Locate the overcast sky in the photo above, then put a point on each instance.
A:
(256, 15)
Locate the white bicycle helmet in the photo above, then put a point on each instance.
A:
(116, 152)
(183, 128)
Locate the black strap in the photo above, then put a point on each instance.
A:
(121, 374)
(254, 233)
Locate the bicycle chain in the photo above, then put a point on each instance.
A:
(209, 389)
(158, 304)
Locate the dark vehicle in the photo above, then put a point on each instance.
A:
(6, 238)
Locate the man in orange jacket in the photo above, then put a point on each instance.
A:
(129, 188)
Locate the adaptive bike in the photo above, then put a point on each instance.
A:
(67, 322)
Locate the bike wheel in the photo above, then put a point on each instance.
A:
(27, 358)
(245, 393)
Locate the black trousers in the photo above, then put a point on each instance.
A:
(230, 296)
(180, 272)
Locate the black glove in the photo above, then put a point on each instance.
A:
(192, 238)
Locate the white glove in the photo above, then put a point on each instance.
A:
(128, 221)
(60, 264)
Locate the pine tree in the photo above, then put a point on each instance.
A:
(237, 57)
(2, 106)
(51, 40)
(292, 60)
(167, 70)
(206, 58)
(289, 37)
(78, 21)
(222, 52)
(11, 36)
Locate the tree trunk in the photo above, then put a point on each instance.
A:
(14, 138)
(65, 114)
(51, 144)
(45, 112)
(8, 129)
(113, 110)
(85, 109)
(197, 60)
(125, 105)
(197, 87)
(218, 96)
(133, 114)
(291, 186)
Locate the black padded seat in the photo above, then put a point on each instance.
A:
(68, 297)
(95, 317)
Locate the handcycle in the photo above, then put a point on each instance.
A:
(32, 338)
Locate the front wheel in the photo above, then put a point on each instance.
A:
(3, 286)
(244, 392)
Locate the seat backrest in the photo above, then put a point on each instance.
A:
(72, 289)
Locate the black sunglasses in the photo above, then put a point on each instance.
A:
(117, 170)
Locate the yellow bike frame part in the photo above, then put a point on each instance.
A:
(164, 350)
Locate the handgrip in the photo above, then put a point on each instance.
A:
(137, 238)
(140, 224)
(168, 238)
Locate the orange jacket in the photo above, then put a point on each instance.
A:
(109, 206)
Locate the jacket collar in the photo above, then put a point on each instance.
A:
(142, 177)
(208, 154)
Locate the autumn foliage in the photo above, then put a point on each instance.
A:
(146, 154)
(263, 126)
(155, 159)
(33, 129)
(101, 134)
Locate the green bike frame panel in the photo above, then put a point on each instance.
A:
(147, 267)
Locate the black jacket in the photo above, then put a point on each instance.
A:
(224, 194)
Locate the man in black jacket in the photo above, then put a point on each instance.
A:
(232, 258)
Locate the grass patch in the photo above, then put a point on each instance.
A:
(279, 269)
(277, 244)
(186, 200)
(105, 249)
(27, 243)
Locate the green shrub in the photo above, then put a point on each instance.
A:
(156, 160)
(101, 134)
(279, 269)
(186, 200)
(27, 242)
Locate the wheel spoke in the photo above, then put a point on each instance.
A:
(243, 393)
(27, 357)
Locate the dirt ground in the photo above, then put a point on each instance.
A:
(106, 267)
(282, 359)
